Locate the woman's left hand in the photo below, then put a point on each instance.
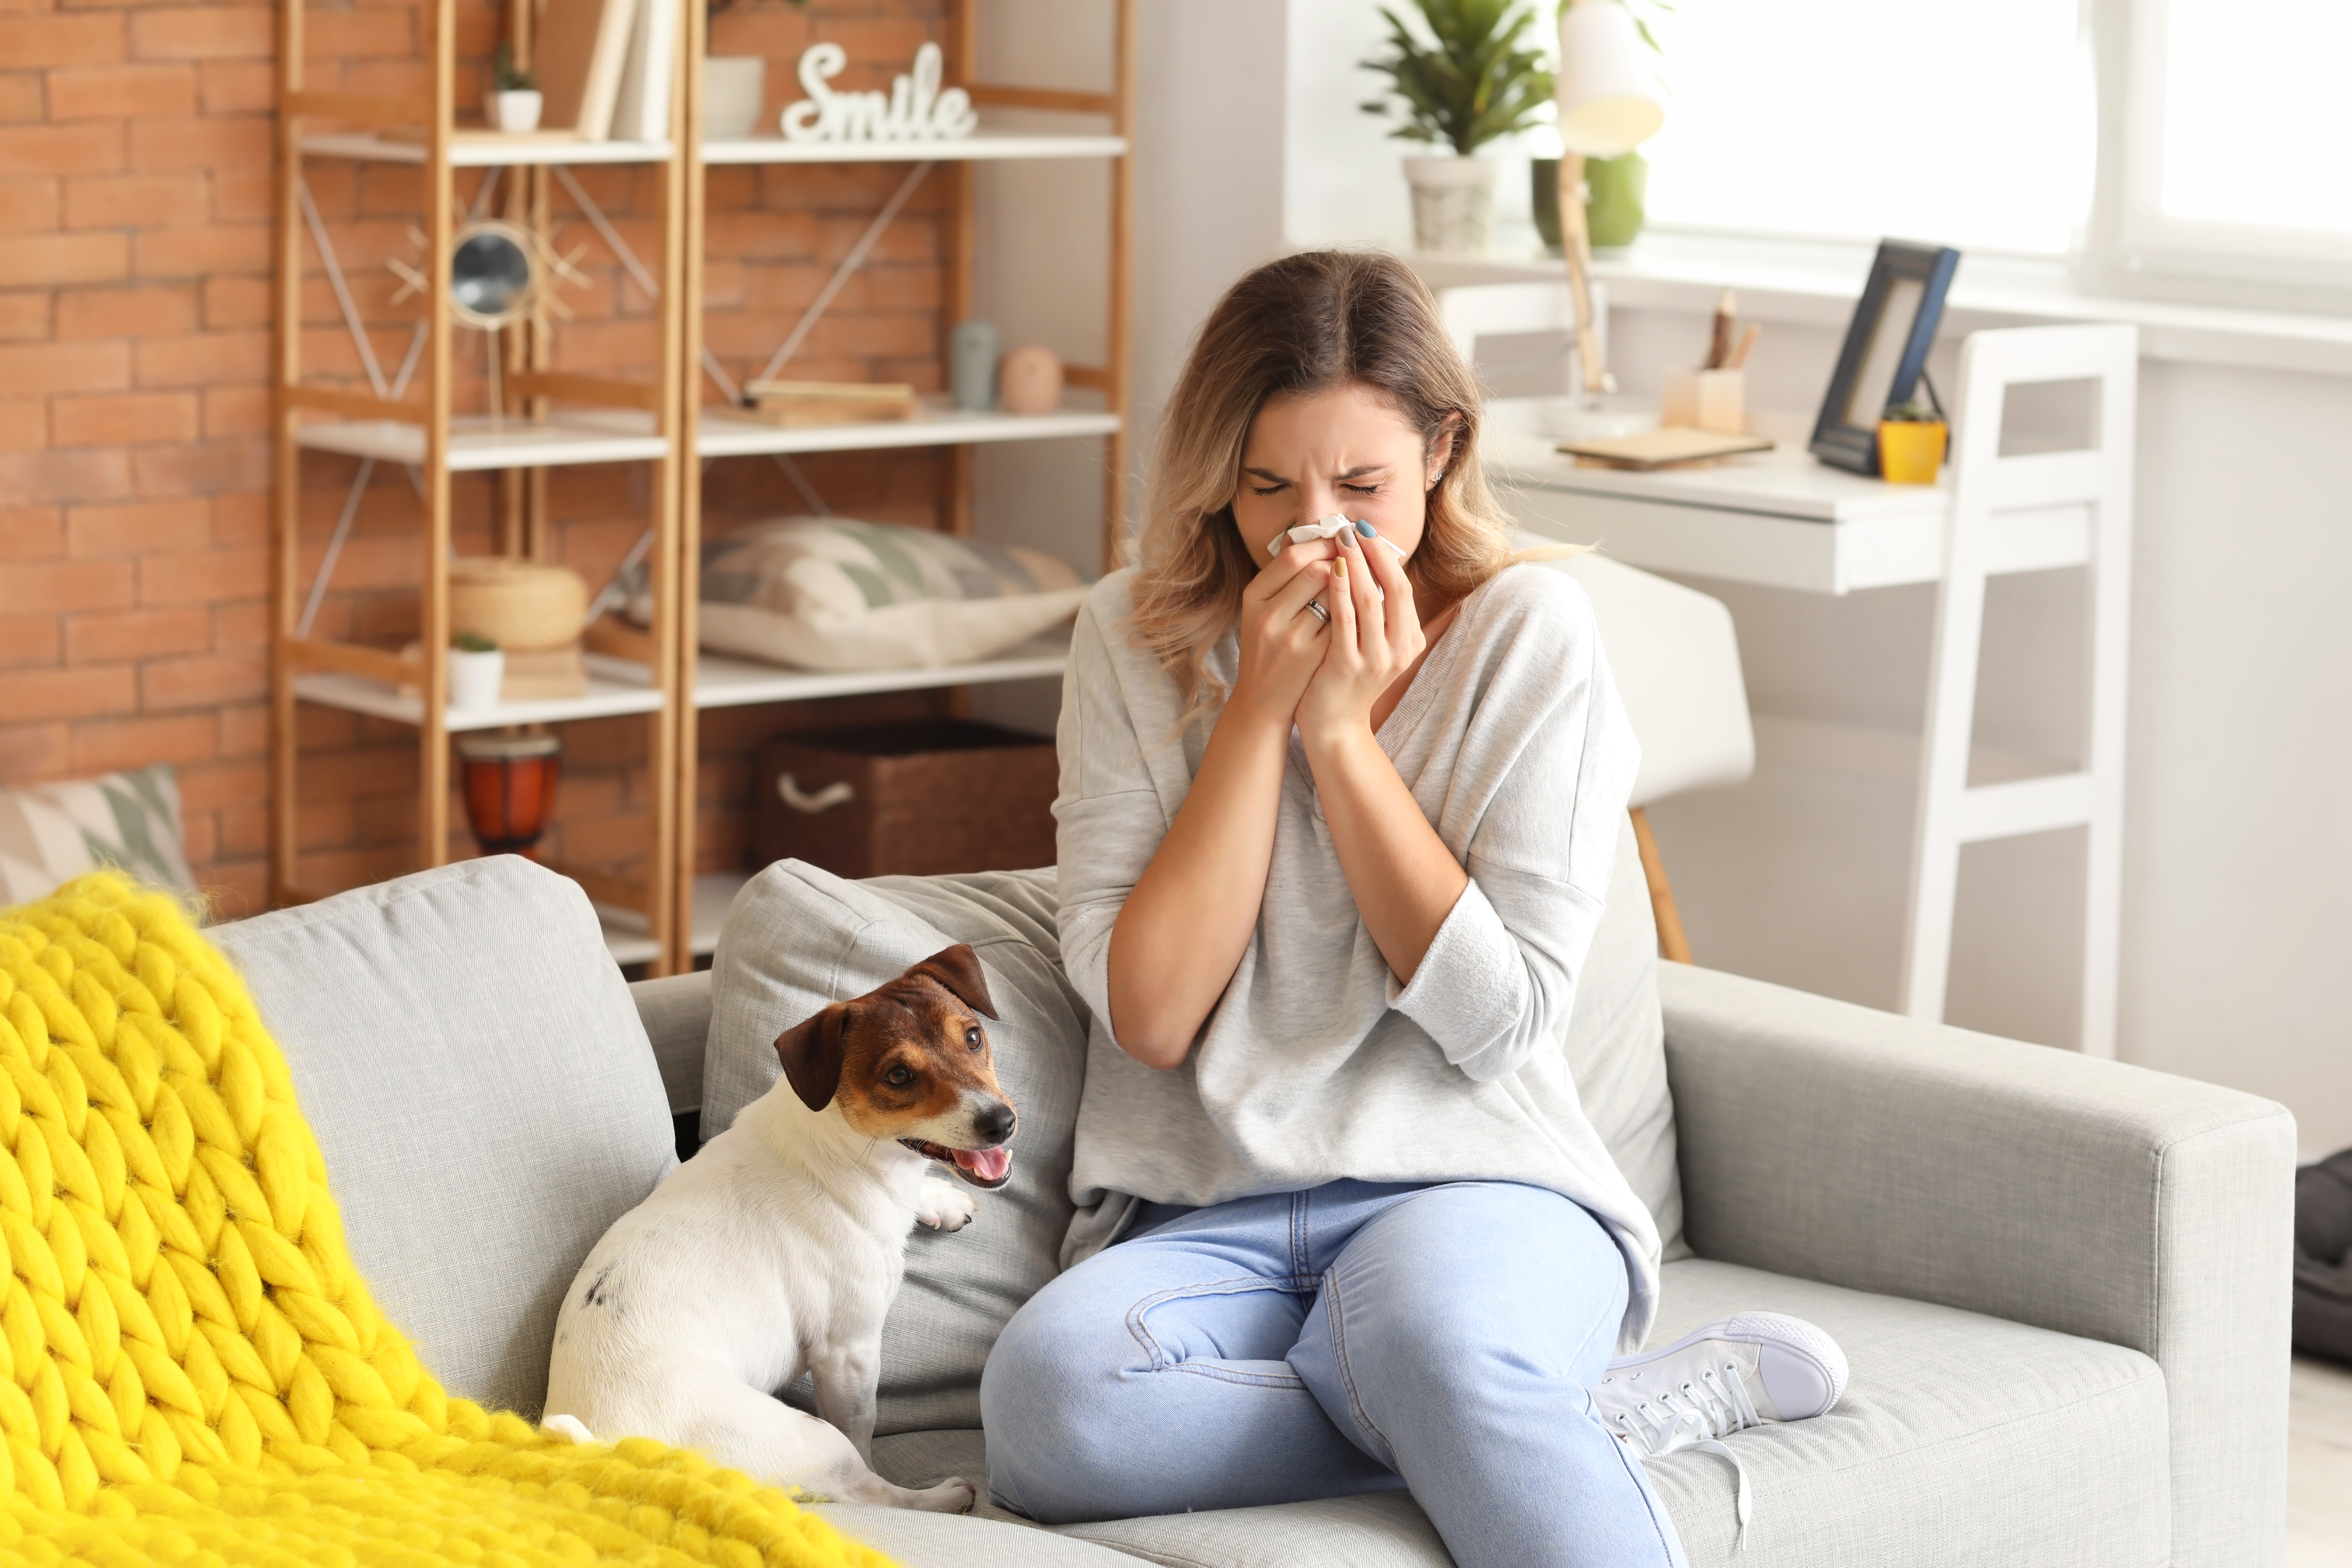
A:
(1375, 638)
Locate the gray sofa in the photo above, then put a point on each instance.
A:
(2063, 1284)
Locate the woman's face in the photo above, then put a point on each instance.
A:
(1344, 450)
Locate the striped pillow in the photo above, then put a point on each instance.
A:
(52, 832)
(835, 594)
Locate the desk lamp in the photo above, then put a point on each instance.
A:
(1608, 106)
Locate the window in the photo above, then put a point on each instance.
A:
(2231, 132)
(1970, 125)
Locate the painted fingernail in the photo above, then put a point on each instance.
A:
(1367, 530)
(1348, 539)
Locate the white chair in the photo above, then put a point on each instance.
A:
(1676, 664)
(2029, 513)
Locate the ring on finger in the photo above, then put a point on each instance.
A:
(1320, 613)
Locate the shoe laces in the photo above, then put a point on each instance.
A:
(1698, 1414)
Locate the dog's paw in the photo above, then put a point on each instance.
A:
(943, 1205)
(569, 1427)
(954, 1495)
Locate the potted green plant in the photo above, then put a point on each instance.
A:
(477, 668)
(1476, 76)
(514, 100)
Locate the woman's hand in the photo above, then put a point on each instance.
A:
(1373, 639)
(1282, 641)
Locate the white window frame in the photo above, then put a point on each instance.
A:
(2132, 246)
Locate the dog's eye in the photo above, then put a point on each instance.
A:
(898, 1078)
(972, 1037)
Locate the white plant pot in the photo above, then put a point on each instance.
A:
(475, 678)
(517, 111)
(1453, 203)
(733, 86)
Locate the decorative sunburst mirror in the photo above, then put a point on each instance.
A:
(499, 273)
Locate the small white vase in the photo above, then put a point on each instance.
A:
(1453, 203)
(517, 111)
(732, 89)
(475, 679)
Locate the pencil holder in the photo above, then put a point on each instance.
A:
(1707, 400)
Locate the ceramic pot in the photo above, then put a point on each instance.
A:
(1911, 451)
(1615, 190)
(475, 678)
(509, 784)
(518, 111)
(733, 87)
(1453, 203)
(1029, 380)
(1613, 211)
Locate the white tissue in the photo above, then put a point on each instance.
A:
(1321, 528)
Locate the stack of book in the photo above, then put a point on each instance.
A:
(604, 68)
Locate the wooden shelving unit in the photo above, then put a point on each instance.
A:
(713, 433)
(673, 916)
(602, 420)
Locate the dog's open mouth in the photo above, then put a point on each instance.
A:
(980, 1167)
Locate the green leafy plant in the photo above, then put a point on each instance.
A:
(507, 77)
(1482, 78)
(1913, 413)
(473, 642)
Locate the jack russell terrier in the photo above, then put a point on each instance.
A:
(780, 1246)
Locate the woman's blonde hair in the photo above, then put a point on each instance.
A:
(1293, 328)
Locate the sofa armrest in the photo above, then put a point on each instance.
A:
(1865, 1149)
(676, 1011)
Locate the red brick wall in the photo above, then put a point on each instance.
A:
(135, 253)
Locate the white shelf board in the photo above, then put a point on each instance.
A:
(721, 432)
(979, 146)
(482, 150)
(625, 929)
(724, 682)
(614, 687)
(476, 442)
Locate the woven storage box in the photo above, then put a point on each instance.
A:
(521, 605)
(915, 799)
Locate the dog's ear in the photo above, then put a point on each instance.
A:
(811, 1052)
(957, 969)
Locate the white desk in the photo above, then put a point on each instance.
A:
(1782, 520)
(1778, 519)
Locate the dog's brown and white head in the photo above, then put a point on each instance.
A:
(910, 1060)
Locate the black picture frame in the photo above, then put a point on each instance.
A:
(1883, 355)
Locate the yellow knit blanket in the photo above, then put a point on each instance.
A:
(191, 1370)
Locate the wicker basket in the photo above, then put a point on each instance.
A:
(520, 606)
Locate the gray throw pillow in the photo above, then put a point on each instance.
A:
(488, 1104)
(798, 938)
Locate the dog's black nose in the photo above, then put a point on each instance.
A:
(995, 1123)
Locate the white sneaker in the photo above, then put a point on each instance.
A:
(1735, 1372)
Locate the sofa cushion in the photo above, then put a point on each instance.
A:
(470, 1059)
(912, 1538)
(1961, 1439)
(798, 938)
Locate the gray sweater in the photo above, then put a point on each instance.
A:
(1315, 1064)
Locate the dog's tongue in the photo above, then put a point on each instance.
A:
(988, 1164)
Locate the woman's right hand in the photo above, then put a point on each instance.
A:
(1282, 640)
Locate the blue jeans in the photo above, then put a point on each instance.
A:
(1352, 1337)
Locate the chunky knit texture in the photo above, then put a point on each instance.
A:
(191, 1370)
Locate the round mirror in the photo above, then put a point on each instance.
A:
(492, 274)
